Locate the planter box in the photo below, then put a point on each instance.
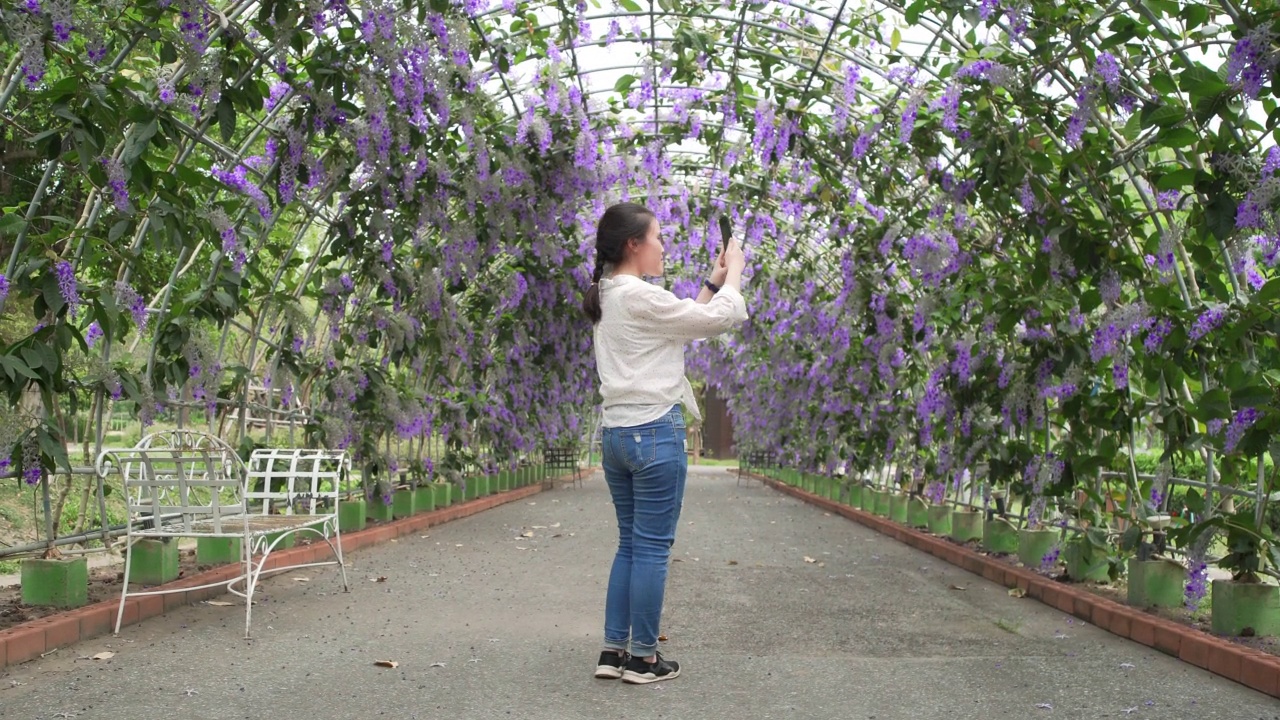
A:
(917, 513)
(401, 504)
(58, 582)
(999, 536)
(868, 499)
(375, 509)
(443, 493)
(424, 499)
(834, 488)
(939, 519)
(1156, 583)
(351, 515)
(898, 508)
(854, 496)
(966, 525)
(1236, 606)
(1033, 545)
(882, 503)
(1079, 572)
(218, 551)
(154, 562)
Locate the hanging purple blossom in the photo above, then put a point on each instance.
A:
(1108, 70)
(31, 462)
(67, 286)
(1243, 420)
(4, 287)
(1251, 61)
(93, 334)
(116, 182)
(1208, 321)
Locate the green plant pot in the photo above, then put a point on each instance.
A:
(1033, 545)
(917, 513)
(898, 508)
(57, 582)
(999, 536)
(443, 493)
(472, 490)
(882, 503)
(966, 525)
(505, 481)
(868, 498)
(808, 482)
(939, 519)
(491, 485)
(375, 509)
(402, 503)
(1235, 606)
(155, 562)
(1078, 571)
(217, 551)
(424, 499)
(1156, 583)
(287, 540)
(351, 515)
(854, 496)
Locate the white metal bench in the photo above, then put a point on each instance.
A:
(183, 483)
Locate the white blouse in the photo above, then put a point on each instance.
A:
(639, 344)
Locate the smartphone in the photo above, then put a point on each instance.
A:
(726, 231)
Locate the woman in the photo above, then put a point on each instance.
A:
(640, 333)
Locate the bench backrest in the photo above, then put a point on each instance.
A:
(180, 478)
(295, 481)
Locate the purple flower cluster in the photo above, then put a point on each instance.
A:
(1243, 420)
(907, 124)
(1108, 70)
(67, 286)
(1160, 329)
(1208, 321)
(117, 183)
(1251, 61)
(32, 464)
(4, 288)
(1050, 559)
(127, 297)
(935, 492)
(1168, 200)
(949, 103)
(1197, 576)
(93, 334)
(237, 179)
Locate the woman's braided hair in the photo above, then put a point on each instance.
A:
(619, 224)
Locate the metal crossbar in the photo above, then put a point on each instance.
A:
(564, 457)
(184, 483)
(753, 459)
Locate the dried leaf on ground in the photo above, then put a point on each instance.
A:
(104, 655)
(1044, 706)
(809, 559)
(302, 579)
(733, 562)
(386, 663)
(662, 638)
(527, 534)
(380, 578)
(436, 664)
(218, 603)
(1017, 592)
(958, 587)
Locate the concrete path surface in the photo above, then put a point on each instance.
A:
(776, 610)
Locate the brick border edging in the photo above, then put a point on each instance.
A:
(32, 639)
(1252, 668)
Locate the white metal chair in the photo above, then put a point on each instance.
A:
(185, 483)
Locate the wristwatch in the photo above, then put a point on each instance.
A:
(714, 288)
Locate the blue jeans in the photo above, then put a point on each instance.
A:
(645, 467)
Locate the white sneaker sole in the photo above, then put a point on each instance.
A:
(607, 672)
(635, 678)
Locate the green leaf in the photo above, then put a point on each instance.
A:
(624, 84)
(1162, 116)
(1268, 294)
(1176, 179)
(1178, 137)
(629, 5)
(226, 118)
(1200, 80)
(1251, 396)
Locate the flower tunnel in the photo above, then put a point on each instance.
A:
(1003, 249)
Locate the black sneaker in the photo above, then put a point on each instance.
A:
(639, 672)
(610, 665)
